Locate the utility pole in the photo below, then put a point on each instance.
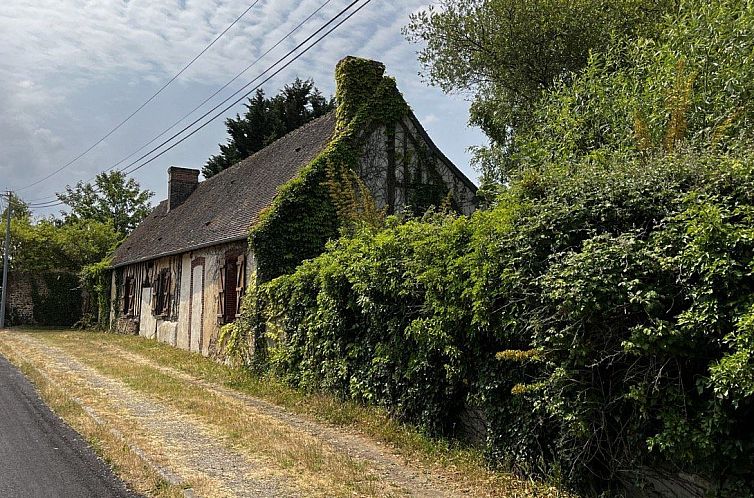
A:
(6, 250)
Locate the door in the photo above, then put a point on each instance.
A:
(147, 322)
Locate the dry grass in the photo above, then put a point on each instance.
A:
(464, 467)
(317, 468)
(124, 461)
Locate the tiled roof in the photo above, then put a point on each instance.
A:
(223, 207)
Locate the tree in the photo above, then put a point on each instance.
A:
(48, 245)
(20, 210)
(266, 120)
(113, 199)
(507, 53)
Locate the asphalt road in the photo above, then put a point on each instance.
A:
(40, 456)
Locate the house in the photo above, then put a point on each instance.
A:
(183, 271)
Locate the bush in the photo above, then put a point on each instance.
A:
(601, 321)
(601, 313)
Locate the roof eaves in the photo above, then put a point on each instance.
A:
(178, 251)
(460, 174)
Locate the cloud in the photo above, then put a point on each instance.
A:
(430, 119)
(72, 69)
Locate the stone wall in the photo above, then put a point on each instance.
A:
(50, 298)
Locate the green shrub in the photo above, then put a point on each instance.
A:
(601, 321)
(601, 313)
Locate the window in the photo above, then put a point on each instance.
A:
(129, 295)
(161, 293)
(232, 287)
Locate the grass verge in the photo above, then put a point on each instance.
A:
(462, 465)
(114, 451)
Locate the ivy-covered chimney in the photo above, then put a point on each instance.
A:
(181, 183)
(356, 81)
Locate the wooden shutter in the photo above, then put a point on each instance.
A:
(131, 295)
(167, 294)
(123, 294)
(221, 296)
(153, 296)
(240, 282)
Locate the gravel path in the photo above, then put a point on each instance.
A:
(186, 447)
(389, 467)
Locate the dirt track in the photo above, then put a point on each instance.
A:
(200, 454)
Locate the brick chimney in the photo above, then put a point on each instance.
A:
(181, 183)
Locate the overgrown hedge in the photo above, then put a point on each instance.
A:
(601, 318)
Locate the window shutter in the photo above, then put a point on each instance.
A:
(240, 282)
(123, 295)
(131, 295)
(167, 293)
(221, 296)
(153, 297)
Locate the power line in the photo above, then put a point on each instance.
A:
(128, 171)
(192, 111)
(322, 28)
(144, 104)
(44, 205)
(226, 85)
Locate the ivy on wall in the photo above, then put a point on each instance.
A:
(327, 194)
(95, 279)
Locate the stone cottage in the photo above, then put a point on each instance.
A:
(183, 271)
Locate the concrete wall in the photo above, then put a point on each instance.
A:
(193, 322)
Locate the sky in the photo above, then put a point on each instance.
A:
(71, 70)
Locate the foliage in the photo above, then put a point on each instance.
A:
(619, 300)
(601, 312)
(283, 238)
(101, 216)
(113, 199)
(48, 244)
(95, 280)
(266, 120)
(509, 53)
(20, 210)
(688, 85)
(59, 303)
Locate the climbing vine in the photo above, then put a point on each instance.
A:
(95, 281)
(328, 194)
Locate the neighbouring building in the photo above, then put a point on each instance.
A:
(182, 273)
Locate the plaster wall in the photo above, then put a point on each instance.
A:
(193, 321)
(398, 159)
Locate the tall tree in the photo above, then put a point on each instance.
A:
(113, 199)
(266, 120)
(507, 53)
